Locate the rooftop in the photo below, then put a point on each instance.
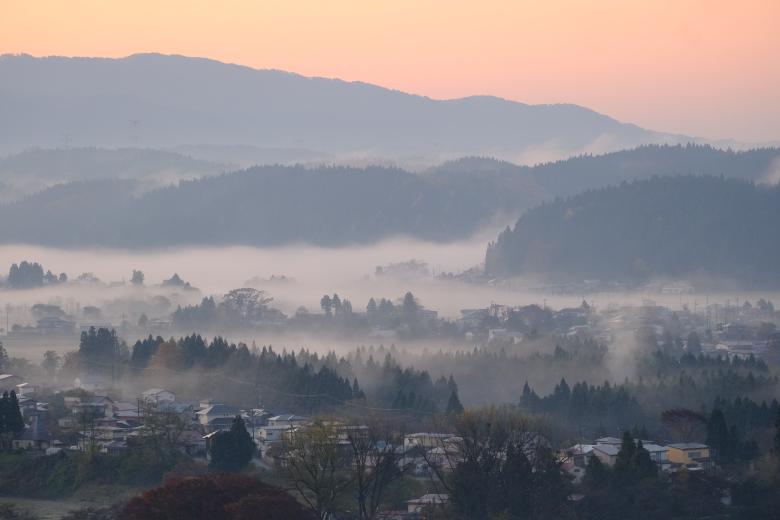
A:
(155, 391)
(689, 446)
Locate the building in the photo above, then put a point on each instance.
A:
(25, 391)
(54, 326)
(8, 382)
(690, 455)
(418, 505)
(158, 396)
(215, 411)
(288, 421)
(658, 454)
(34, 437)
(606, 453)
(90, 383)
(426, 440)
(471, 319)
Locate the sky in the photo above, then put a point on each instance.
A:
(706, 68)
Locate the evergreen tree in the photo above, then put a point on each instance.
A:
(11, 421)
(453, 405)
(718, 436)
(625, 456)
(777, 435)
(232, 450)
(3, 358)
(642, 464)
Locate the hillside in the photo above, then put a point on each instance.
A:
(37, 168)
(334, 205)
(168, 101)
(667, 226)
(265, 205)
(585, 172)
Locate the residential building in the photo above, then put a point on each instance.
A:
(8, 382)
(158, 396)
(34, 437)
(215, 411)
(418, 505)
(691, 455)
(606, 453)
(288, 421)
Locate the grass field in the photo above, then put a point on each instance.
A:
(89, 496)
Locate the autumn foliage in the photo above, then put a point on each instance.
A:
(207, 497)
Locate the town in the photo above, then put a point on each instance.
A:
(411, 425)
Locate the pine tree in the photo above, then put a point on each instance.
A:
(625, 456)
(777, 435)
(453, 405)
(232, 450)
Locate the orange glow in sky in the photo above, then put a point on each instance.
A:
(707, 68)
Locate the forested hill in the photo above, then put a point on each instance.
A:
(267, 205)
(667, 226)
(577, 174)
(326, 205)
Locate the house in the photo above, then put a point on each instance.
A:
(34, 437)
(691, 455)
(96, 405)
(418, 505)
(55, 326)
(471, 319)
(158, 395)
(28, 406)
(426, 440)
(25, 390)
(504, 334)
(220, 424)
(126, 411)
(580, 454)
(288, 421)
(90, 383)
(614, 441)
(658, 454)
(8, 382)
(114, 448)
(214, 411)
(607, 449)
(606, 453)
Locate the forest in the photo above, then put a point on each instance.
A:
(674, 227)
(333, 205)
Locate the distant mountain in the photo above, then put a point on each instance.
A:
(577, 174)
(335, 205)
(36, 168)
(167, 101)
(684, 226)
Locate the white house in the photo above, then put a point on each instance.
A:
(158, 395)
(90, 383)
(215, 411)
(288, 421)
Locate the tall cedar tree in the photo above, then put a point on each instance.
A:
(232, 450)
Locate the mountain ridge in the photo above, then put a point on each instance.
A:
(178, 100)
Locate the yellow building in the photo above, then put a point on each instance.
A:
(692, 455)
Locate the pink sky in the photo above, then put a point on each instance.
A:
(704, 68)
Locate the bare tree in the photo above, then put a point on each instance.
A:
(162, 427)
(683, 424)
(317, 466)
(376, 463)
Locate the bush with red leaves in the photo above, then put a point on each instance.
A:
(214, 496)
